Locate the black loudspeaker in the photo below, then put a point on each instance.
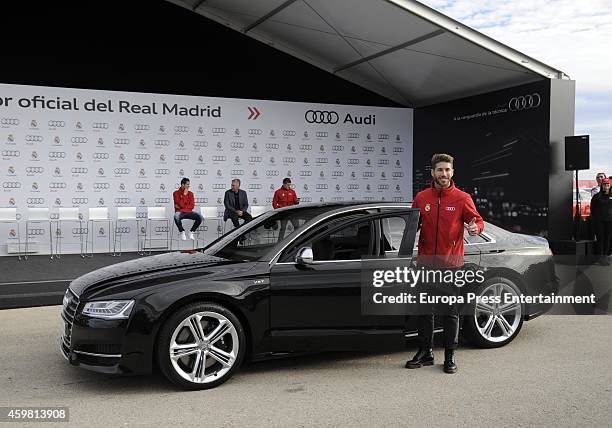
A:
(577, 152)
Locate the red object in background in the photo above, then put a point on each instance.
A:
(585, 201)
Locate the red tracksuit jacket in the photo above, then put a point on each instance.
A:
(185, 202)
(443, 212)
(284, 198)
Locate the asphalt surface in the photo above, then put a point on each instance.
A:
(557, 372)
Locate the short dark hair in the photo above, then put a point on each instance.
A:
(237, 180)
(286, 180)
(184, 180)
(441, 157)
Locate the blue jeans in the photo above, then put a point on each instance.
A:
(179, 217)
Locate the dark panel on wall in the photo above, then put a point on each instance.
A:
(155, 46)
(500, 142)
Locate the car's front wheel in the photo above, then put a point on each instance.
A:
(201, 345)
(491, 325)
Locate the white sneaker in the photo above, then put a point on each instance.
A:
(191, 236)
(183, 236)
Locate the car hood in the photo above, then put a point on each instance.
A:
(133, 270)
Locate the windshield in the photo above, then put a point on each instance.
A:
(251, 241)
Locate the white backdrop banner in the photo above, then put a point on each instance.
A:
(64, 147)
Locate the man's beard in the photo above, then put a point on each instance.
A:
(442, 182)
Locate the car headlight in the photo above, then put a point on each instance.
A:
(111, 309)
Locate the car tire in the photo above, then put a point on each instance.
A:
(505, 324)
(203, 358)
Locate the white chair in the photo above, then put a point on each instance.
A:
(125, 215)
(97, 215)
(156, 214)
(68, 215)
(8, 216)
(211, 213)
(34, 216)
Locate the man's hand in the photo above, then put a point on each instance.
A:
(472, 227)
(177, 207)
(239, 212)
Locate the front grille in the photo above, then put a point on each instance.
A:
(71, 302)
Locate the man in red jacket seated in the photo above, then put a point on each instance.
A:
(183, 207)
(285, 196)
(444, 210)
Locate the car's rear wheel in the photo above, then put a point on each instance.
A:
(201, 345)
(492, 325)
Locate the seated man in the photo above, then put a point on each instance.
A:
(183, 206)
(236, 204)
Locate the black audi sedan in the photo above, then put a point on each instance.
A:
(286, 283)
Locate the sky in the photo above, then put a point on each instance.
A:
(574, 36)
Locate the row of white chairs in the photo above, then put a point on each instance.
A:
(101, 214)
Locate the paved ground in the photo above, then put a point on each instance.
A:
(557, 372)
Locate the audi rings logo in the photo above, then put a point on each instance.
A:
(368, 174)
(122, 201)
(397, 174)
(34, 138)
(162, 172)
(218, 186)
(383, 161)
(200, 172)
(305, 173)
(305, 147)
(141, 127)
(162, 200)
(101, 186)
(236, 172)
(289, 133)
(218, 130)
(79, 230)
(36, 232)
(181, 157)
(272, 173)
(322, 187)
(181, 128)
(383, 187)
(383, 136)
(122, 230)
(56, 123)
(525, 102)
(254, 159)
(99, 125)
(338, 148)
(34, 170)
(121, 171)
(255, 131)
(398, 150)
(121, 141)
(162, 143)
(219, 158)
(11, 185)
(322, 134)
(80, 201)
(9, 121)
(353, 162)
(35, 201)
(321, 160)
(289, 160)
(79, 170)
(78, 140)
(142, 156)
(368, 149)
(57, 185)
(255, 186)
(200, 144)
(321, 116)
(352, 135)
(237, 145)
(272, 146)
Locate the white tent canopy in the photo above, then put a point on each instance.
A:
(400, 49)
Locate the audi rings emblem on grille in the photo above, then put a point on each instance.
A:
(321, 116)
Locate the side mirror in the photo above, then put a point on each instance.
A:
(304, 256)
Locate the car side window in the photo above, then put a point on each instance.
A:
(351, 242)
(392, 233)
